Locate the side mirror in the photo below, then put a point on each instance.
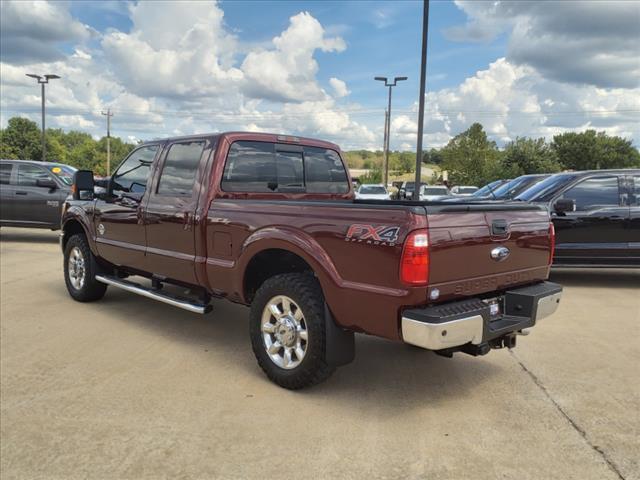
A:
(46, 183)
(564, 205)
(82, 183)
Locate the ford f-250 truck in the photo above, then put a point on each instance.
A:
(271, 221)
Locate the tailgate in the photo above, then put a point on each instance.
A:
(483, 248)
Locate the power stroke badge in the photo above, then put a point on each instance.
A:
(372, 235)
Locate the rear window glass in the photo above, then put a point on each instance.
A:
(260, 167)
(180, 167)
(373, 190)
(324, 171)
(434, 191)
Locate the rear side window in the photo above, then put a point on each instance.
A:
(5, 173)
(594, 193)
(325, 172)
(260, 167)
(133, 173)
(28, 175)
(250, 167)
(180, 168)
(635, 190)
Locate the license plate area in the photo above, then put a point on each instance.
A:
(496, 306)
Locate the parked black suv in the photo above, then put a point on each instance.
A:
(596, 215)
(32, 193)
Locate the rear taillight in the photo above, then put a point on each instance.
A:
(552, 242)
(414, 265)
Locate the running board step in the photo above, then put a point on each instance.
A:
(183, 303)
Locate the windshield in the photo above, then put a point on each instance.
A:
(486, 190)
(544, 190)
(434, 191)
(63, 172)
(514, 187)
(373, 190)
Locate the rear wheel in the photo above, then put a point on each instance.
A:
(287, 328)
(80, 269)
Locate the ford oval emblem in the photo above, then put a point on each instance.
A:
(500, 253)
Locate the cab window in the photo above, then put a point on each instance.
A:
(594, 193)
(635, 190)
(28, 175)
(266, 167)
(133, 173)
(180, 168)
(5, 173)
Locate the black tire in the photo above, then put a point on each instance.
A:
(90, 290)
(305, 291)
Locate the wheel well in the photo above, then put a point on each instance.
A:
(269, 263)
(71, 228)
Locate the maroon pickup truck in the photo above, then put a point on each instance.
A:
(271, 221)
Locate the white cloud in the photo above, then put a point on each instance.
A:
(339, 87)
(179, 50)
(32, 30)
(287, 72)
(579, 42)
(510, 100)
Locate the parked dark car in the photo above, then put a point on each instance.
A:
(32, 193)
(596, 215)
(407, 189)
(486, 191)
(515, 187)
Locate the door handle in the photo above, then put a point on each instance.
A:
(21, 193)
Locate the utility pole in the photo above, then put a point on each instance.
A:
(388, 124)
(43, 80)
(423, 80)
(108, 114)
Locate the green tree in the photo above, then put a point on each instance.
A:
(372, 176)
(590, 150)
(471, 158)
(528, 155)
(21, 139)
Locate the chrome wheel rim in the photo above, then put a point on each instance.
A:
(284, 332)
(77, 271)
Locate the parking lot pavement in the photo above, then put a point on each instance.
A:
(130, 388)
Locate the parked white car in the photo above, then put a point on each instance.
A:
(433, 192)
(372, 192)
(463, 191)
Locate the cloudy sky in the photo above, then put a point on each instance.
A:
(168, 68)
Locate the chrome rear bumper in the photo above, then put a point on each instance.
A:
(470, 322)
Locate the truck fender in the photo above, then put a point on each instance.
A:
(76, 215)
(294, 241)
(340, 343)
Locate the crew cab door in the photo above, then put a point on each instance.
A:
(633, 224)
(7, 193)
(595, 231)
(170, 213)
(120, 232)
(37, 205)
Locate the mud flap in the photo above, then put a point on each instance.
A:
(340, 344)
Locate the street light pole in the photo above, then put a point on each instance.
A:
(388, 124)
(43, 80)
(423, 81)
(108, 114)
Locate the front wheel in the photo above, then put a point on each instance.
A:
(80, 269)
(288, 333)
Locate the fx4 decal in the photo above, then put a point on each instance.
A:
(381, 235)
